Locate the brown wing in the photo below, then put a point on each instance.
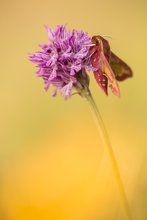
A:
(120, 69)
(108, 72)
(100, 59)
(98, 74)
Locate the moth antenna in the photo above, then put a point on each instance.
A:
(107, 36)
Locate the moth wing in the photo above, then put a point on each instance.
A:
(101, 80)
(105, 48)
(98, 74)
(120, 69)
(106, 69)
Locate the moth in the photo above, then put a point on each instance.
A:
(109, 68)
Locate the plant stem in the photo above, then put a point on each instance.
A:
(105, 137)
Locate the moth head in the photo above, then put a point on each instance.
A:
(96, 40)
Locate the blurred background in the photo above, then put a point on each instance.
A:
(53, 165)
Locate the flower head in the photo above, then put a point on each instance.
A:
(61, 59)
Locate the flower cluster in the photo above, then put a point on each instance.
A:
(62, 59)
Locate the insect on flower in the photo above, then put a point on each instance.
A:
(64, 61)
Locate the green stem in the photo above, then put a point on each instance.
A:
(106, 140)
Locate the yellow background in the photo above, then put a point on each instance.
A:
(52, 163)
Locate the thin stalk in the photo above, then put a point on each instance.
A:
(105, 137)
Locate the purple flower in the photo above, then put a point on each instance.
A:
(63, 61)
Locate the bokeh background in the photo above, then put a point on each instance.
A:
(52, 163)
